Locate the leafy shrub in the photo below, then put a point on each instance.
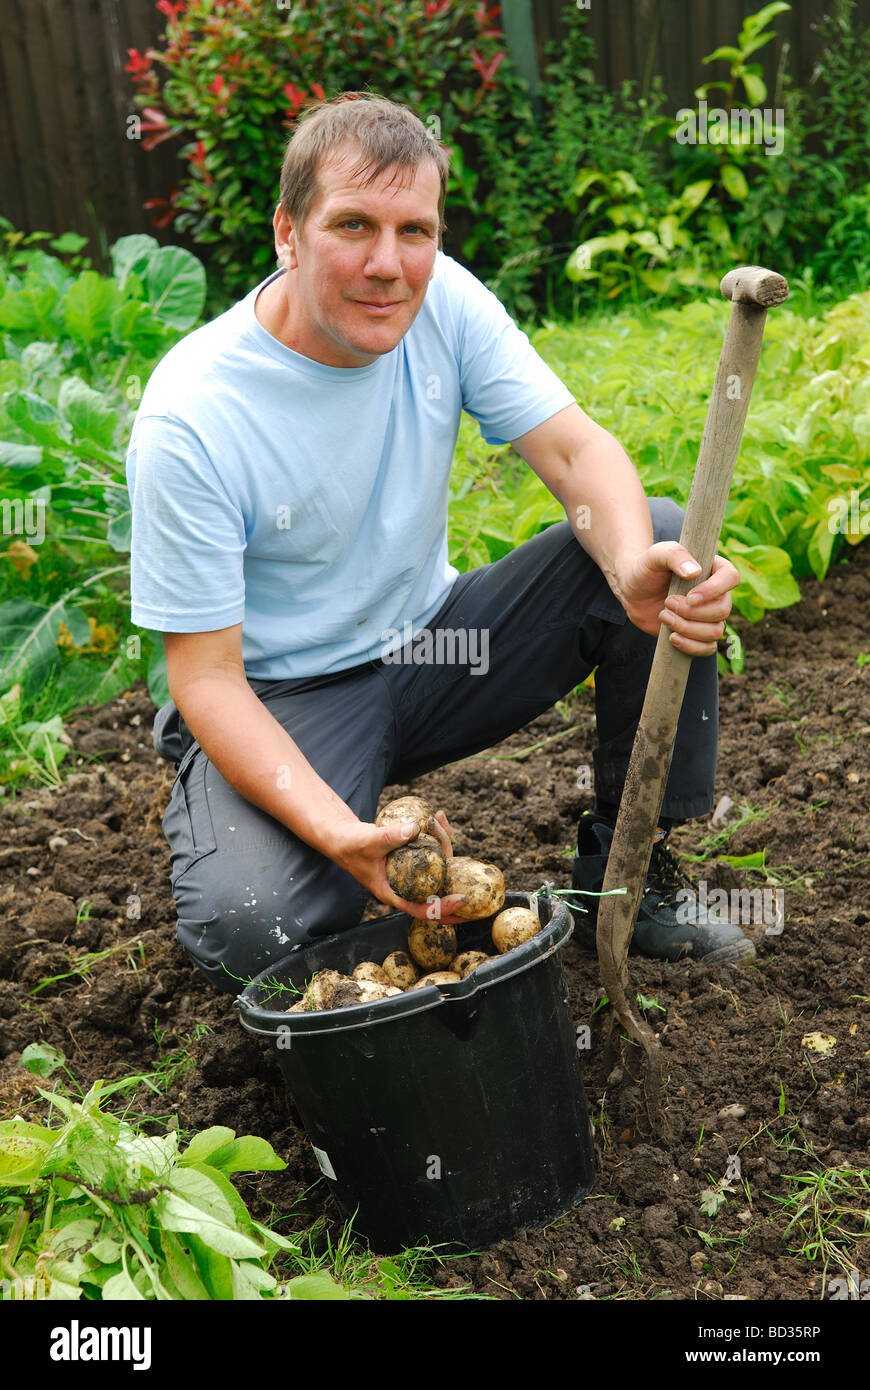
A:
(803, 474)
(236, 76)
(76, 349)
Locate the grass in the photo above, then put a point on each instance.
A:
(712, 843)
(85, 963)
(406, 1276)
(829, 1217)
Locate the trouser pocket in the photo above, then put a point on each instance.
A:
(187, 821)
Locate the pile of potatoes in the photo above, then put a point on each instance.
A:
(417, 871)
(432, 958)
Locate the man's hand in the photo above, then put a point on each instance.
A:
(361, 850)
(697, 621)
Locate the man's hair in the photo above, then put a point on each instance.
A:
(383, 133)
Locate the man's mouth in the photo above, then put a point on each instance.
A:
(380, 306)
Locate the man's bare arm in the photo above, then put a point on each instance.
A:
(597, 484)
(260, 760)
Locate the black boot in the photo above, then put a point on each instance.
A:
(669, 925)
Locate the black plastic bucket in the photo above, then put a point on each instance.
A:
(451, 1113)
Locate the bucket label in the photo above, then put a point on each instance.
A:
(323, 1163)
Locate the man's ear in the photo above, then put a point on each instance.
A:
(285, 239)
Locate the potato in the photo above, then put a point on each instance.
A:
(416, 871)
(438, 977)
(301, 1007)
(318, 994)
(369, 970)
(400, 970)
(481, 884)
(346, 993)
(432, 944)
(370, 990)
(467, 961)
(512, 927)
(406, 808)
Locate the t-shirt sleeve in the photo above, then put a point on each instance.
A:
(188, 536)
(506, 385)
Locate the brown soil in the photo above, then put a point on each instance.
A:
(108, 985)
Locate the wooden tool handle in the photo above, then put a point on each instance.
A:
(750, 289)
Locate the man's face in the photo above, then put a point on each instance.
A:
(358, 268)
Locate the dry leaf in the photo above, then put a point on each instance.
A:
(23, 557)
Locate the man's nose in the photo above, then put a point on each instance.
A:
(384, 260)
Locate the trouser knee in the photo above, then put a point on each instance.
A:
(667, 519)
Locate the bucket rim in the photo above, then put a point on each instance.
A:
(270, 1023)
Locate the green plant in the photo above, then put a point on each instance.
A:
(829, 1213)
(94, 1210)
(752, 37)
(230, 79)
(648, 248)
(404, 1277)
(76, 349)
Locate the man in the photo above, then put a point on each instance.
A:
(289, 470)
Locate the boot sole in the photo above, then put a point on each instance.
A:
(736, 952)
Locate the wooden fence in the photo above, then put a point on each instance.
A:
(65, 99)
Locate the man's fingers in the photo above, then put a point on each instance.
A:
(723, 578)
(715, 611)
(705, 633)
(442, 832)
(670, 555)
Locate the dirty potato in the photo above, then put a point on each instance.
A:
(406, 808)
(431, 944)
(512, 927)
(370, 970)
(437, 977)
(400, 970)
(416, 871)
(466, 961)
(482, 886)
(346, 993)
(319, 992)
(371, 990)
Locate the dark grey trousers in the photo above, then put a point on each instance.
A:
(539, 620)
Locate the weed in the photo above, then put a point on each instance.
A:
(830, 1215)
(746, 816)
(85, 963)
(653, 1003)
(403, 1277)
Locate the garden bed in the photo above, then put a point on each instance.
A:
(89, 963)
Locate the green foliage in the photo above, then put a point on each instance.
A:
(744, 172)
(803, 464)
(94, 1210)
(76, 349)
(574, 199)
(648, 250)
(752, 37)
(230, 79)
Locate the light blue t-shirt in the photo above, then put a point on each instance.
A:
(309, 502)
